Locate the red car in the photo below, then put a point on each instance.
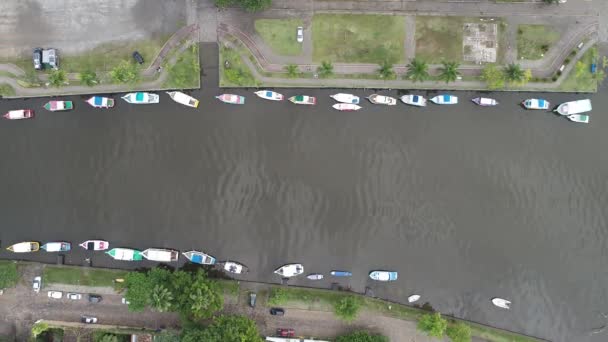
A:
(286, 332)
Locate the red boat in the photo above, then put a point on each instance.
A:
(19, 114)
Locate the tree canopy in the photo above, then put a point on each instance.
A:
(494, 77)
(459, 332)
(347, 308)
(361, 336)
(417, 70)
(125, 72)
(433, 324)
(228, 328)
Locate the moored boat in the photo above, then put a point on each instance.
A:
(337, 273)
(381, 99)
(444, 99)
(24, 247)
(95, 245)
(414, 100)
(184, 99)
(314, 276)
(346, 107)
(199, 258)
(501, 303)
(574, 107)
(290, 270)
(484, 101)
(19, 114)
(269, 95)
(101, 102)
(160, 255)
(413, 298)
(536, 104)
(125, 254)
(580, 118)
(141, 98)
(58, 106)
(303, 99)
(231, 98)
(345, 98)
(235, 267)
(383, 275)
(57, 246)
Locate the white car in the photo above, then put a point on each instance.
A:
(88, 319)
(74, 296)
(125, 301)
(300, 34)
(37, 284)
(55, 294)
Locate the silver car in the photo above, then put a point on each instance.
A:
(74, 296)
(37, 284)
(300, 34)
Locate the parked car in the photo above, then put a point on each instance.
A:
(93, 298)
(300, 34)
(252, 297)
(55, 294)
(88, 319)
(74, 296)
(37, 58)
(282, 332)
(125, 301)
(37, 284)
(277, 312)
(138, 57)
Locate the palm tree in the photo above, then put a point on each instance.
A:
(161, 298)
(326, 69)
(449, 71)
(57, 78)
(417, 70)
(514, 73)
(386, 70)
(292, 70)
(88, 77)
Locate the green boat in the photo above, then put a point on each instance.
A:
(125, 254)
(58, 106)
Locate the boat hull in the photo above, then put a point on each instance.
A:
(414, 100)
(184, 99)
(95, 245)
(346, 107)
(231, 98)
(383, 275)
(303, 100)
(101, 102)
(574, 107)
(579, 118)
(484, 101)
(19, 114)
(536, 104)
(160, 255)
(315, 276)
(125, 254)
(444, 99)
(200, 258)
(340, 273)
(141, 98)
(234, 267)
(269, 95)
(58, 106)
(24, 247)
(57, 246)
(382, 100)
(345, 98)
(290, 270)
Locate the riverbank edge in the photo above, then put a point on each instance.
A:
(234, 290)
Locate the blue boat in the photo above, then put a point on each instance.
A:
(536, 104)
(445, 99)
(199, 258)
(340, 273)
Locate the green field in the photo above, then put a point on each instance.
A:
(81, 276)
(185, 73)
(581, 78)
(439, 38)
(8, 274)
(280, 35)
(350, 38)
(233, 72)
(535, 40)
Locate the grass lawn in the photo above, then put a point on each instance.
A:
(81, 276)
(185, 73)
(8, 274)
(534, 40)
(280, 35)
(439, 38)
(6, 90)
(233, 72)
(581, 78)
(353, 38)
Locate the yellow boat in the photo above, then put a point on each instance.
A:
(24, 247)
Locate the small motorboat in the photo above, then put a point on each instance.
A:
(24, 247)
(160, 255)
(101, 102)
(536, 104)
(414, 100)
(340, 273)
(444, 99)
(269, 95)
(574, 107)
(184, 99)
(19, 114)
(141, 98)
(383, 275)
(501, 303)
(199, 258)
(231, 98)
(290, 270)
(413, 298)
(580, 118)
(235, 267)
(484, 101)
(58, 246)
(346, 107)
(125, 254)
(303, 99)
(345, 98)
(314, 276)
(381, 99)
(58, 106)
(95, 245)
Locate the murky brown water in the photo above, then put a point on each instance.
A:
(466, 203)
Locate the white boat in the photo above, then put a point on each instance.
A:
(314, 276)
(345, 98)
(381, 99)
(536, 104)
(383, 275)
(160, 255)
(501, 303)
(24, 247)
(484, 101)
(290, 270)
(303, 99)
(125, 254)
(101, 102)
(269, 95)
(231, 98)
(414, 100)
(141, 98)
(184, 99)
(580, 118)
(19, 114)
(199, 258)
(95, 245)
(444, 99)
(574, 107)
(346, 107)
(57, 246)
(234, 267)
(413, 298)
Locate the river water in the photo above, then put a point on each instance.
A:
(466, 203)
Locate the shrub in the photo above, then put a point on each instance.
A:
(459, 332)
(347, 308)
(567, 60)
(278, 296)
(433, 324)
